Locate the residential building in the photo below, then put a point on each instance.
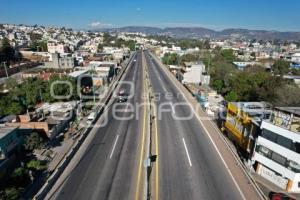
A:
(66, 61)
(48, 119)
(295, 58)
(54, 47)
(195, 73)
(277, 151)
(103, 69)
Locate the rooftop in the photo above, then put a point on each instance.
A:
(76, 74)
(4, 131)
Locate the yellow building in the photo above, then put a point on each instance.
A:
(242, 123)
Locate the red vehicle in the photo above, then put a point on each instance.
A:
(279, 196)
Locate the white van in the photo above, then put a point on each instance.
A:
(91, 118)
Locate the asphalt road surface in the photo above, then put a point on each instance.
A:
(189, 166)
(109, 167)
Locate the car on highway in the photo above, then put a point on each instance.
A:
(91, 118)
(279, 196)
(122, 96)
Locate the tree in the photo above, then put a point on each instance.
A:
(39, 46)
(231, 96)
(218, 85)
(100, 47)
(281, 67)
(61, 89)
(33, 141)
(170, 59)
(287, 95)
(188, 58)
(228, 55)
(35, 165)
(131, 45)
(11, 83)
(207, 44)
(7, 53)
(11, 193)
(20, 176)
(35, 36)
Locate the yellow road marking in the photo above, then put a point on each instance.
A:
(142, 151)
(157, 158)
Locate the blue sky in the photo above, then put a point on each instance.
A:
(282, 15)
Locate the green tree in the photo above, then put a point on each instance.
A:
(11, 83)
(33, 141)
(228, 55)
(100, 47)
(231, 96)
(281, 67)
(7, 52)
(170, 59)
(218, 85)
(35, 165)
(11, 193)
(61, 89)
(287, 95)
(20, 176)
(35, 36)
(188, 58)
(131, 45)
(39, 46)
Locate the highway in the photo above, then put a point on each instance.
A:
(188, 167)
(110, 167)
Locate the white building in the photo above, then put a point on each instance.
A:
(196, 74)
(57, 48)
(296, 58)
(242, 65)
(277, 151)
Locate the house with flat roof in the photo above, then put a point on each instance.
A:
(195, 73)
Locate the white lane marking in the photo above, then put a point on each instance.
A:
(206, 131)
(187, 152)
(158, 76)
(135, 68)
(173, 108)
(113, 149)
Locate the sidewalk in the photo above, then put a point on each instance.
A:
(60, 152)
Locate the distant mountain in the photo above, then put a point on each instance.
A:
(199, 32)
(135, 29)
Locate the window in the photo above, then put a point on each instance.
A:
(296, 147)
(269, 135)
(280, 140)
(278, 158)
(285, 142)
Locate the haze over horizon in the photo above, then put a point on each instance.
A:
(215, 14)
